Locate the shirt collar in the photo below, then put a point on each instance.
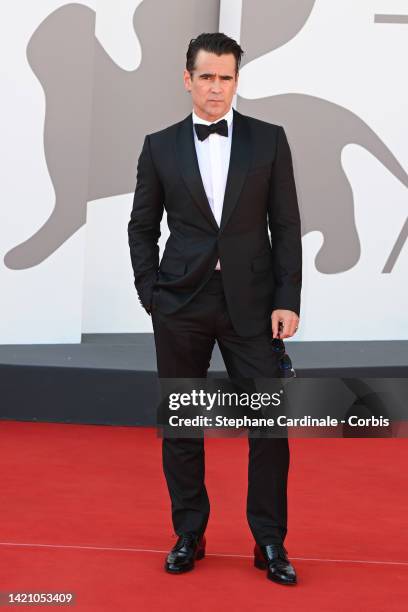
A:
(228, 116)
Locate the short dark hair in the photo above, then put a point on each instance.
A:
(215, 42)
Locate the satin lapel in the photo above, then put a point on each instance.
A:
(241, 154)
(190, 170)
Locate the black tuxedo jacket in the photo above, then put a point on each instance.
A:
(259, 274)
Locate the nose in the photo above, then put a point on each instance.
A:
(216, 85)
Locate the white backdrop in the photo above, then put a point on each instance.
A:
(340, 55)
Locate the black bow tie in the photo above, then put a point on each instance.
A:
(203, 130)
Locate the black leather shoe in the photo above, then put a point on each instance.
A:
(273, 558)
(189, 548)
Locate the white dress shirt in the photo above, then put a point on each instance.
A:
(213, 156)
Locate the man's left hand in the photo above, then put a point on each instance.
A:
(284, 323)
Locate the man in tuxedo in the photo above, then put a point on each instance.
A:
(224, 180)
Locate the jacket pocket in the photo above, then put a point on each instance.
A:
(262, 169)
(173, 266)
(262, 263)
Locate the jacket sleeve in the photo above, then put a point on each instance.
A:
(144, 225)
(284, 226)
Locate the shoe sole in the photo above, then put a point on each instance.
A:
(262, 565)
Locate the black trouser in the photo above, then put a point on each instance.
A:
(184, 344)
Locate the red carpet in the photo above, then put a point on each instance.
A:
(67, 487)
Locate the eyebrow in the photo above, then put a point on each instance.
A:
(223, 76)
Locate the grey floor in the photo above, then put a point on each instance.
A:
(136, 352)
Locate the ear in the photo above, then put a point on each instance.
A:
(187, 80)
(236, 83)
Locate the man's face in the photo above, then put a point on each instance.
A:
(213, 84)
